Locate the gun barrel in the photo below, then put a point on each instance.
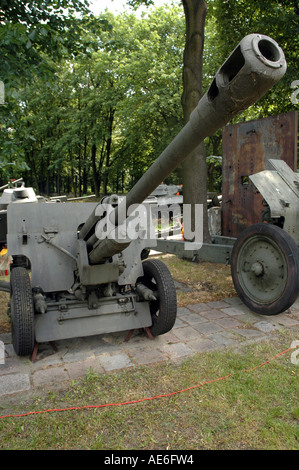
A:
(254, 66)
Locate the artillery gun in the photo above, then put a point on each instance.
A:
(16, 192)
(87, 276)
(265, 256)
(13, 192)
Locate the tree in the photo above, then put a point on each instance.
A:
(194, 166)
(31, 33)
(151, 115)
(105, 113)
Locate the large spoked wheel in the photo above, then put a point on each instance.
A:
(21, 312)
(163, 310)
(265, 269)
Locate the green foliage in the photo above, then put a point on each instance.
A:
(31, 29)
(32, 34)
(91, 102)
(102, 116)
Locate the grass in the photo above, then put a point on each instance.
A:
(251, 409)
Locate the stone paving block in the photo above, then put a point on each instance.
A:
(233, 301)
(231, 311)
(186, 333)
(170, 337)
(179, 322)
(149, 356)
(199, 307)
(14, 383)
(208, 328)
(218, 304)
(132, 347)
(229, 322)
(181, 311)
(77, 370)
(250, 318)
(115, 361)
(286, 321)
(224, 338)
(177, 350)
(53, 359)
(248, 332)
(213, 314)
(15, 365)
(9, 350)
(193, 318)
(48, 376)
(202, 345)
(265, 326)
(79, 355)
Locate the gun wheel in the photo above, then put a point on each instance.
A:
(265, 269)
(163, 310)
(21, 312)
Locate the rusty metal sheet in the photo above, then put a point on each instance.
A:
(246, 149)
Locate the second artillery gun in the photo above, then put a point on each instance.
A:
(87, 275)
(265, 256)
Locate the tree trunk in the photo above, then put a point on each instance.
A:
(79, 170)
(194, 167)
(85, 166)
(34, 177)
(108, 149)
(94, 170)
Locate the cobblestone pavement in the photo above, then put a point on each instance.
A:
(199, 327)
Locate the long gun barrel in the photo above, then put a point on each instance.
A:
(256, 65)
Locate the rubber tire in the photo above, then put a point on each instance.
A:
(22, 312)
(164, 310)
(290, 251)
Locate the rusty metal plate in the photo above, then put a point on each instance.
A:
(246, 149)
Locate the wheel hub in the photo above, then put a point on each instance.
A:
(257, 268)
